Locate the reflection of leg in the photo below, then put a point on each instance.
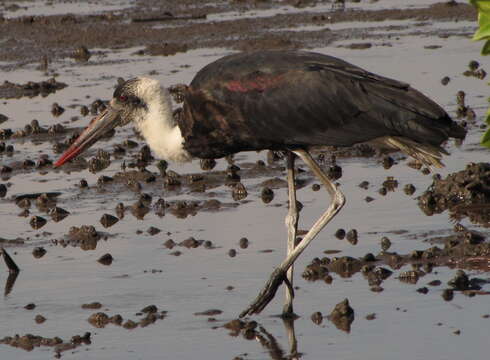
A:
(292, 225)
(279, 274)
(293, 343)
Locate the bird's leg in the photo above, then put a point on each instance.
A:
(279, 274)
(292, 225)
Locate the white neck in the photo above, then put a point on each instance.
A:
(160, 131)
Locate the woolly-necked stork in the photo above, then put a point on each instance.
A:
(293, 101)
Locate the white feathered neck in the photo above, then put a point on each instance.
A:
(156, 123)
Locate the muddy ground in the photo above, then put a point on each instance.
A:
(124, 256)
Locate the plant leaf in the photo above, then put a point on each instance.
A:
(485, 139)
(486, 48)
(481, 5)
(483, 31)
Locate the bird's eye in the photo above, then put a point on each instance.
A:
(123, 98)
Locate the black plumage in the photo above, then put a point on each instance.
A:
(295, 100)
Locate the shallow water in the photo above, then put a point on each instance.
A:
(408, 325)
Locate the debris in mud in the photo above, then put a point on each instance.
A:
(30, 306)
(317, 317)
(210, 312)
(352, 236)
(84, 236)
(340, 234)
(39, 319)
(153, 230)
(38, 252)
(107, 220)
(99, 320)
(475, 71)
(358, 46)
(342, 316)
(169, 244)
(460, 281)
(371, 316)
(207, 164)
(445, 80)
(100, 162)
(409, 189)
(10, 90)
(447, 294)
(465, 193)
(92, 306)
(37, 222)
(130, 324)
(57, 110)
(3, 118)
(409, 277)
(106, 259)
(267, 195)
(385, 243)
(423, 290)
(165, 49)
(120, 210)
(58, 214)
(243, 243)
(81, 54)
(232, 253)
(190, 243)
(28, 342)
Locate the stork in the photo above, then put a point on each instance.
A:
(288, 100)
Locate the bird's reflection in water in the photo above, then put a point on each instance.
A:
(9, 284)
(13, 271)
(251, 330)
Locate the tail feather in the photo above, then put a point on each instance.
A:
(428, 154)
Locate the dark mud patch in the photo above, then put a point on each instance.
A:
(342, 316)
(152, 314)
(465, 193)
(58, 36)
(86, 237)
(28, 342)
(464, 249)
(31, 89)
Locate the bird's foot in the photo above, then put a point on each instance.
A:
(268, 292)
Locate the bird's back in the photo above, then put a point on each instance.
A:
(295, 99)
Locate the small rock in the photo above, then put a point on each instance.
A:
(38, 252)
(30, 306)
(351, 236)
(39, 319)
(106, 259)
(317, 317)
(92, 306)
(107, 220)
(243, 243)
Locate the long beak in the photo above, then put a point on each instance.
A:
(99, 126)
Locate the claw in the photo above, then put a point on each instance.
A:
(267, 294)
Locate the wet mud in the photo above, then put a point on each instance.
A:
(205, 236)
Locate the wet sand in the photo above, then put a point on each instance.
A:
(410, 302)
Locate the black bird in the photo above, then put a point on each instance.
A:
(292, 101)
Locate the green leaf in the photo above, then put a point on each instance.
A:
(486, 48)
(483, 31)
(481, 5)
(485, 139)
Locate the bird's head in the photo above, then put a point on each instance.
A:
(131, 102)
